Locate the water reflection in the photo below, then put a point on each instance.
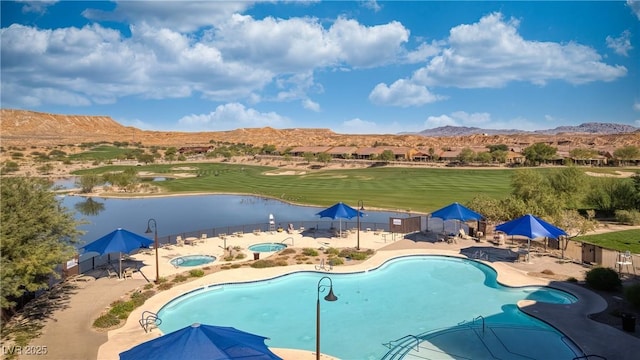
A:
(178, 214)
(89, 207)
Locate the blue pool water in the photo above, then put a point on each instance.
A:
(407, 296)
(267, 247)
(192, 260)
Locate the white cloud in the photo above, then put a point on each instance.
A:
(491, 54)
(232, 116)
(362, 46)
(635, 7)
(438, 121)
(311, 105)
(424, 52)
(182, 16)
(37, 7)
(359, 126)
(402, 93)
(372, 4)
(636, 106)
(475, 119)
(622, 44)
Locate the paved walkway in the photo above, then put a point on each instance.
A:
(68, 335)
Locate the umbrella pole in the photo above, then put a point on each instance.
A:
(528, 250)
(120, 265)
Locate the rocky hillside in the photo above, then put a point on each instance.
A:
(21, 128)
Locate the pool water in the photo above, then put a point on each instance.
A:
(267, 247)
(192, 260)
(411, 295)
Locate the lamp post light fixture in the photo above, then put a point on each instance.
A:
(360, 208)
(155, 244)
(330, 297)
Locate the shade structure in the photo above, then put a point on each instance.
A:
(531, 227)
(118, 241)
(340, 211)
(202, 342)
(456, 211)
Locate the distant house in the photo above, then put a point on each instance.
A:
(194, 149)
(315, 150)
(342, 152)
(368, 153)
(515, 158)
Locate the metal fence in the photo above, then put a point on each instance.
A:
(99, 262)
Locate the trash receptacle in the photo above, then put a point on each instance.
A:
(628, 322)
(256, 256)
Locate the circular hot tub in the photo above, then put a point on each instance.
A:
(192, 260)
(267, 247)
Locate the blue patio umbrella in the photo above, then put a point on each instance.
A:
(203, 342)
(531, 227)
(340, 211)
(456, 211)
(118, 241)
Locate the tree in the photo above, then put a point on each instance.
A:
(88, 182)
(539, 153)
(37, 235)
(308, 157)
(324, 157)
(466, 155)
(387, 155)
(627, 153)
(497, 147)
(499, 156)
(582, 154)
(483, 157)
(611, 194)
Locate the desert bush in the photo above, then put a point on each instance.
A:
(632, 295)
(241, 256)
(572, 279)
(165, 286)
(196, 273)
(148, 286)
(629, 217)
(106, 321)
(332, 251)
(259, 264)
(179, 279)
(310, 252)
(121, 309)
(605, 279)
(335, 261)
(547, 272)
(288, 251)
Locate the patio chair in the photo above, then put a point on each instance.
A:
(111, 273)
(128, 273)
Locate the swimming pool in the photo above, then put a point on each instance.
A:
(192, 260)
(411, 295)
(267, 247)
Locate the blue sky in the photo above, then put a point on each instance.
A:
(351, 66)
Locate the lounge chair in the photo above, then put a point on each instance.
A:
(127, 273)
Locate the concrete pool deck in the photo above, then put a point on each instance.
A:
(73, 324)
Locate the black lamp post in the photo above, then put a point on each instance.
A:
(330, 297)
(155, 244)
(360, 208)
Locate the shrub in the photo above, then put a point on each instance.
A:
(281, 263)
(310, 252)
(148, 286)
(288, 251)
(162, 280)
(572, 279)
(196, 273)
(241, 256)
(632, 295)
(121, 309)
(605, 279)
(332, 251)
(179, 279)
(106, 321)
(335, 261)
(547, 272)
(630, 217)
(165, 286)
(259, 264)
(235, 266)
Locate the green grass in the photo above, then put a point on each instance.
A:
(618, 240)
(418, 190)
(100, 153)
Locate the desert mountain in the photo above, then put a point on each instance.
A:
(29, 128)
(586, 128)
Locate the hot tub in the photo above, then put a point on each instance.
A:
(267, 247)
(192, 260)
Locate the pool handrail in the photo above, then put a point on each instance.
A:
(149, 320)
(399, 347)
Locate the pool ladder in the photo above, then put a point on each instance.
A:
(289, 238)
(178, 262)
(400, 347)
(324, 266)
(149, 320)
